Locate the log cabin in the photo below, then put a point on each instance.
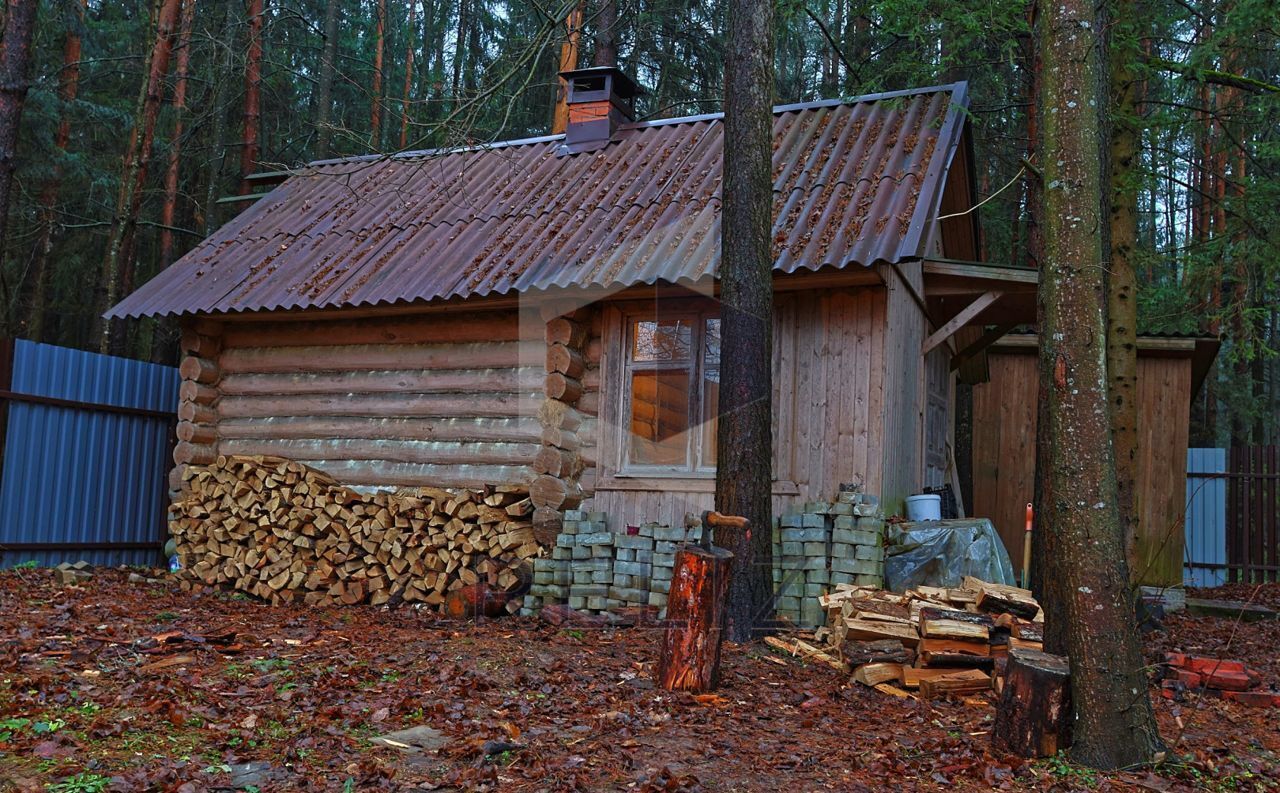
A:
(543, 311)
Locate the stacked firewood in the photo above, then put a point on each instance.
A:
(284, 532)
(938, 640)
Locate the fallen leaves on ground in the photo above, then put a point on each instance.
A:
(138, 686)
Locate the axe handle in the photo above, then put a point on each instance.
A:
(724, 521)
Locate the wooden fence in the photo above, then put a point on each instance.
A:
(1253, 513)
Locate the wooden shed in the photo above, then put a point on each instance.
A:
(1170, 372)
(544, 311)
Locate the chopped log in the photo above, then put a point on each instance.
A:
(912, 676)
(893, 691)
(565, 360)
(696, 612)
(798, 648)
(568, 332)
(874, 674)
(998, 603)
(968, 681)
(869, 629)
(857, 653)
(476, 600)
(935, 626)
(1033, 718)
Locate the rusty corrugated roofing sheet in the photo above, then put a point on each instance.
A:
(855, 182)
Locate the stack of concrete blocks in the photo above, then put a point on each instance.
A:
(805, 540)
(633, 567)
(857, 540)
(823, 545)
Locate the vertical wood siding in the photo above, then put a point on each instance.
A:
(828, 395)
(1004, 428)
(904, 403)
(447, 399)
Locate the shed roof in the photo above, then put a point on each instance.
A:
(855, 182)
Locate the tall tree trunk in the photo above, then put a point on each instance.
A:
(1122, 296)
(1114, 724)
(169, 210)
(606, 34)
(68, 88)
(408, 76)
(15, 60)
(134, 174)
(568, 62)
(217, 144)
(744, 476)
(252, 96)
(459, 47)
(324, 84)
(375, 105)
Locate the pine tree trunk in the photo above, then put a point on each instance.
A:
(1114, 724)
(408, 77)
(375, 104)
(217, 161)
(116, 261)
(606, 34)
(459, 47)
(68, 88)
(324, 85)
(252, 96)
(1122, 287)
(169, 210)
(15, 60)
(745, 443)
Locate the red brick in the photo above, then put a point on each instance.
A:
(1229, 681)
(1175, 659)
(1257, 699)
(1188, 678)
(1212, 666)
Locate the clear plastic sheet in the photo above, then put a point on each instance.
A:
(943, 552)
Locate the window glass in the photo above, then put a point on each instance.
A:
(711, 342)
(661, 340)
(660, 417)
(710, 415)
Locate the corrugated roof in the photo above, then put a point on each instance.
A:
(855, 182)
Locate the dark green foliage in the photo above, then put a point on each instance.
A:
(506, 86)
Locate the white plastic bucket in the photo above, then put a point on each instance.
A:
(924, 507)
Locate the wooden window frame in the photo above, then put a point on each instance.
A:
(696, 367)
(614, 473)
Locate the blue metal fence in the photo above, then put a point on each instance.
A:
(86, 450)
(1206, 524)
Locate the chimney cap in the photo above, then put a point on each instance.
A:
(611, 80)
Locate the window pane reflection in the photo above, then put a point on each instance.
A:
(660, 417)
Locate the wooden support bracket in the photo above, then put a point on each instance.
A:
(960, 320)
(983, 342)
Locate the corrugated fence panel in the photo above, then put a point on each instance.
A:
(1206, 518)
(83, 476)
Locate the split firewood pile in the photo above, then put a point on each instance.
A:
(933, 640)
(284, 532)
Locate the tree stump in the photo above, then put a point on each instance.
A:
(690, 656)
(1033, 718)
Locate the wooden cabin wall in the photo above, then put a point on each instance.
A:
(905, 398)
(828, 394)
(445, 398)
(1004, 429)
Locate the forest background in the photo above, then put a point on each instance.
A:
(143, 118)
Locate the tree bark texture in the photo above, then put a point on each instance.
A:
(324, 85)
(1122, 286)
(252, 96)
(689, 658)
(68, 88)
(124, 222)
(15, 60)
(745, 443)
(1114, 725)
(375, 101)
(606, 43)
(408, 77)
(169, 210)
(1033, 717)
